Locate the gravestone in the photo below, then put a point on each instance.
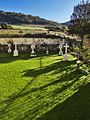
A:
(60, 49)
(9, 48)
(15, 53)
(22, 48)
(66, 50)
(47, 51)
(32, 50)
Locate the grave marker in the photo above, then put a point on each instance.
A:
(9, 48)
(60, 49)
(15, 53)
(33, 50)
(66, 50)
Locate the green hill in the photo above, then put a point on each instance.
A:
(19, 18)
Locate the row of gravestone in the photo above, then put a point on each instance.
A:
(61, 45)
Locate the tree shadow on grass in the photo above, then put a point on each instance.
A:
(59, 66)
(8, 57)
(77, 107)
(70, 75)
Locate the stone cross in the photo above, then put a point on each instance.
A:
(9, 48)
(60, 51)
(15, 53)
(66, 50)
(32, 48)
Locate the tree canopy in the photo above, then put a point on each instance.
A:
(80, 19)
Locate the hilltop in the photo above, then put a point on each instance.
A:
(20, 18)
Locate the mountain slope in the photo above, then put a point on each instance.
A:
(19, 18)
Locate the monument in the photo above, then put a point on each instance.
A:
(66, 50)
(9, 48)
(47, 51)
(60, 49)
(32, 50)
(15, 53)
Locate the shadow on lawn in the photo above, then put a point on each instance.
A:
(70, 75)
(6, 58)
(58, 66)
(55, 67)
(77, 107)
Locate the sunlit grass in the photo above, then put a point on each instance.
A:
(32, 87)
(27, 27)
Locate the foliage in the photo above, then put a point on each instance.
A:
(84, 54)
(81, 11)
(4, 25)
(80, 20)
(62, 28)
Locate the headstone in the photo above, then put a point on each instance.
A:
(60, 49)
(15, 53)
(47, 51)
(9, 48)
(33, 50)
(63, 41)
(22, 48)
(66, 50)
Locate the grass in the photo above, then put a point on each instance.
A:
(43, 88)
(28, 27)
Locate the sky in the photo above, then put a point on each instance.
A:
(56, 10)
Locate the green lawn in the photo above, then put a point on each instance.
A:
(43, 88)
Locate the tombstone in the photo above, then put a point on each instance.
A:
(47, 51)
(60, 51)
(63, 41)
(66, 50)
(15, 53)
(33, 50)
(9, 48)
(22, 48)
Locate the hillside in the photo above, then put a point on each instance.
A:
(19, 18)
(68, 23)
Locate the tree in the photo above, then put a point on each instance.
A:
(80, 20)
(4, 25)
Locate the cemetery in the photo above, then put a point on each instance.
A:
(37, 77)
(45, 66)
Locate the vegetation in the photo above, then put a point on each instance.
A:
(32, 31)
(44, 88)
(29, 27)
(19, 18)
(84, 54)
(5, 25)
(80, 20)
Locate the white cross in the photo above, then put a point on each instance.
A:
(65, 55)
(66, 48)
